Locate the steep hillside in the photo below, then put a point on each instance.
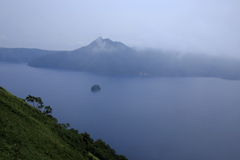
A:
(27, 133)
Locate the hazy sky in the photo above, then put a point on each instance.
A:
(205, 26)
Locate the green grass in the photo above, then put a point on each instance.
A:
(26, 133)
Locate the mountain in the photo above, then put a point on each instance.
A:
(105, 46)
(27, 133)
(21, 55)
(102, 55)
(107, 56)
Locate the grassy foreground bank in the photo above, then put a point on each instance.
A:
(27, 133)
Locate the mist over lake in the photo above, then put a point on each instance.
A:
(141, 117)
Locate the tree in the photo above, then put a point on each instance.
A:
(65, 125)
(39, 102)
(36, 101)
(30, 98)
(47, 110)
(73, 130)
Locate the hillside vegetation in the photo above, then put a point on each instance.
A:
(27, 133)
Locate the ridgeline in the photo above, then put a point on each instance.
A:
(28, 133)
(107, 56)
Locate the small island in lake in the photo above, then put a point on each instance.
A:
(95, 88)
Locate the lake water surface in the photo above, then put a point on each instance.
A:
(143, 118)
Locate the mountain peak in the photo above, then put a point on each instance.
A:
(106, 45)
(99, 39)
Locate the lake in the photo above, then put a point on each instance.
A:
(143, 118)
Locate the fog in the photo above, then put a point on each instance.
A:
(209, 27)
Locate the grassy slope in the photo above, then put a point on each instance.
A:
(26, 133)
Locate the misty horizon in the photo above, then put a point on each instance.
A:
(209, 27)
(138, 49)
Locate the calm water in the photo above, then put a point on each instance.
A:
(143, 118)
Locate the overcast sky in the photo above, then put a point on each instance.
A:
(202, 26)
